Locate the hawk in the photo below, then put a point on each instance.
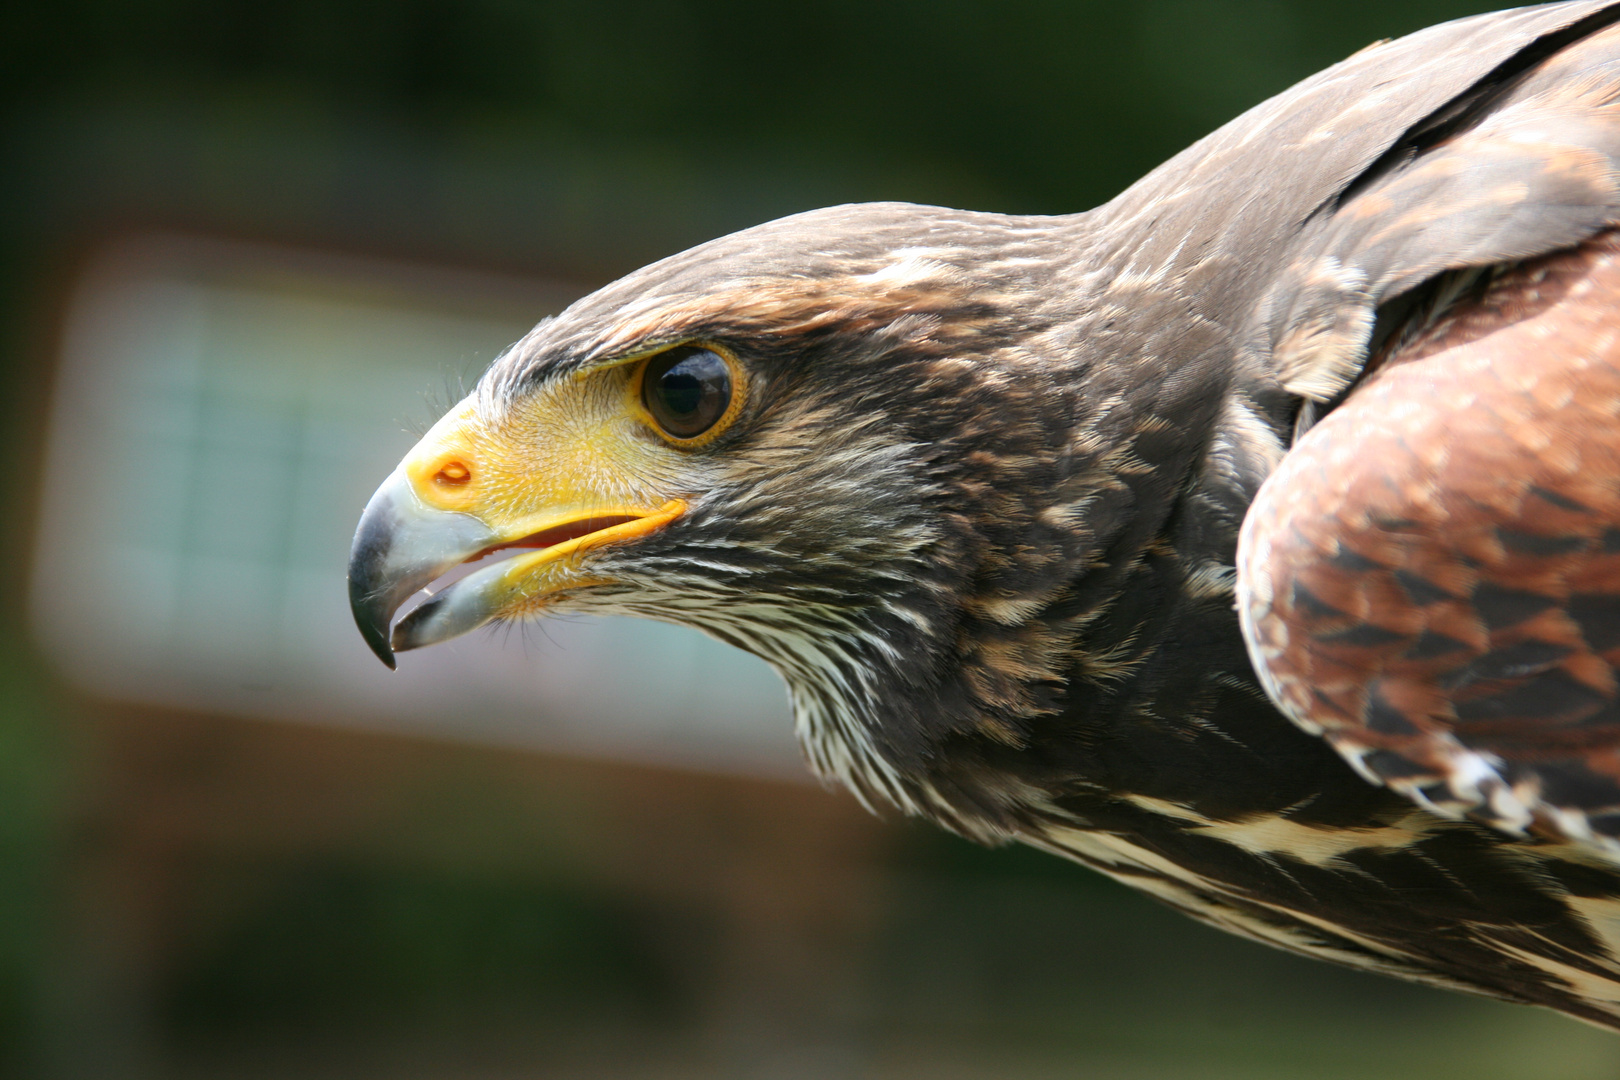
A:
(1253, 538)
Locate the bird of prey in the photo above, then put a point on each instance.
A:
(1253, 538)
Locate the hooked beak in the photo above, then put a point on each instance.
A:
(403, 544)
(400, 546)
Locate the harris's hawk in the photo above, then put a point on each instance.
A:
(1253, 538)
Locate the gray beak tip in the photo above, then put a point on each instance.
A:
(400, 546)
(372, 619)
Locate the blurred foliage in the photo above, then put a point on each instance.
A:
(1029, 105)
(31, 787)
(986, 963)
(335, 944)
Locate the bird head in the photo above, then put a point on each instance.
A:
(833, 441)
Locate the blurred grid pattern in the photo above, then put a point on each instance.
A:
(230, 408)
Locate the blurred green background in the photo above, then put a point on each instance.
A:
(186, 894)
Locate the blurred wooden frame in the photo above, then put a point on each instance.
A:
(794, 875)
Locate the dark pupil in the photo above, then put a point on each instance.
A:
(687, 390)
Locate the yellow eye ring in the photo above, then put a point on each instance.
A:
(689, 393)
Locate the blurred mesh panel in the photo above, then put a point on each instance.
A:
(221, 414)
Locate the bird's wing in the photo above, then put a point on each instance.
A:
(1289, 225)
(1431, 579)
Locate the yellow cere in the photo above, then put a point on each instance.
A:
(573, 449)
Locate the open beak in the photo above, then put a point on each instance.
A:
(404, 545)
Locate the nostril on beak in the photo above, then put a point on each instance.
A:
(452, 474)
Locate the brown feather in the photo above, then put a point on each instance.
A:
(1434, 573)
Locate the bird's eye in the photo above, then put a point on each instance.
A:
(687, 390)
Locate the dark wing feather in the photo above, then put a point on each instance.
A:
(1532, 173)
(1239, 205)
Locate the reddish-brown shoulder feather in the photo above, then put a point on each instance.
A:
(1432, 577)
